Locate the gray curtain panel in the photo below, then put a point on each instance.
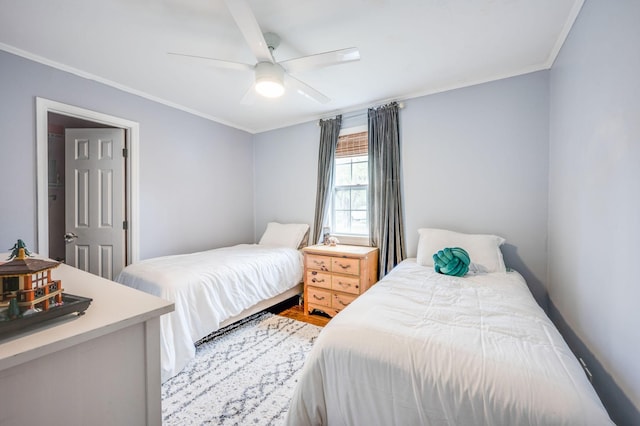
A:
(329, 132)
(386, 219)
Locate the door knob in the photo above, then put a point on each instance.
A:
(69, 237)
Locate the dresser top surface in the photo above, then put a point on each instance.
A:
(113, 307)
(339, 249)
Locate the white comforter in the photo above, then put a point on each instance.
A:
(421, 348)
(209, 287)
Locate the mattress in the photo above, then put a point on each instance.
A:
(421, 348)
(208, 288)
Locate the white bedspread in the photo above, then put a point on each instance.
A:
(209, 287)
(421, 348)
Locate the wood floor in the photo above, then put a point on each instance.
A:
(291, 309)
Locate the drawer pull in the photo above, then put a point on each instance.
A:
(342, 303)
(315, 280)
(344, 267)
(318, 298)
(345, 285)
(321, 265)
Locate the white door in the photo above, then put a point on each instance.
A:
(94, 200)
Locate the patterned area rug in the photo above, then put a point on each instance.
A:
(243, 374)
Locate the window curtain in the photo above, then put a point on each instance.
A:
(329, 132)
(386, 227)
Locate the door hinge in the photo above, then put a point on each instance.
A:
(125, 152)
(125, 225)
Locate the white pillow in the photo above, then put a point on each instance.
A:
(284, 235)
(484, 250)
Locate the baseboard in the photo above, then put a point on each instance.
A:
(620, 408)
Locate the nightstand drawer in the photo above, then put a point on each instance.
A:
(345, 283)
(319, 279)
(341, 300)
(345, 265)
(319, 297)
(321, 263)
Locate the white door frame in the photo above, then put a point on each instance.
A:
(132, 130)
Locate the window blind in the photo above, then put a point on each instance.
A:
(353, 145)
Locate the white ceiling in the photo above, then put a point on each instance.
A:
(408, 48)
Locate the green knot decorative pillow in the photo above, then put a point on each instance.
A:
(451, 261)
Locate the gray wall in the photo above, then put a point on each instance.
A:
(594, 197)
(285, 173)
(196, 176)
(474, 160)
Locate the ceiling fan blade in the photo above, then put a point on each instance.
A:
(250, 29)
(306, 90)
(250, 96)
(211, 62)
(321, 60)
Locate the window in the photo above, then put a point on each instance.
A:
(349, 216)
(10, 284)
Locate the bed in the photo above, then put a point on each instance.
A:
(424, 348)
(214, 288)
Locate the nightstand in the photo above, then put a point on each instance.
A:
(335, 276)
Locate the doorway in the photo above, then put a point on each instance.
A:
(52, 118)
(56, 178)
(87, 198)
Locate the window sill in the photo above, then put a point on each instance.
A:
(352, 240)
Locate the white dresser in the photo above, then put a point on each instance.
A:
(100, 368)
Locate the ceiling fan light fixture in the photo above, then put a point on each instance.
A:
(269, 79)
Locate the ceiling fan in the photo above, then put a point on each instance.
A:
(270, 75)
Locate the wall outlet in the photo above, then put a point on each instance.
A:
(586, 370)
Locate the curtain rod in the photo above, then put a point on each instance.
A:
(354, 114)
